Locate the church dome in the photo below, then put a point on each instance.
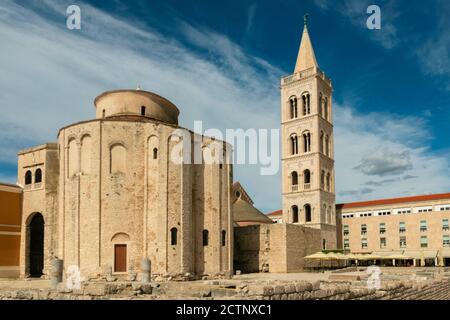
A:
(136, 103)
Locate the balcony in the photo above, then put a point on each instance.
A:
(294, 188)
(304, 74)
(307, 186)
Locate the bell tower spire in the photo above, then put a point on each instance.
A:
(307, 146)
(306, 58)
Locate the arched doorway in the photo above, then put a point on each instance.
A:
(36, 252)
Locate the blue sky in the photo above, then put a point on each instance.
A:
(221, 62)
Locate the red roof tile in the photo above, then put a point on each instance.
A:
(275, 213)
(381, 202)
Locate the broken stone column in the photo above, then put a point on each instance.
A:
(145, 270)
(56, 274)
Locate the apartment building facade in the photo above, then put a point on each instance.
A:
(416, 226)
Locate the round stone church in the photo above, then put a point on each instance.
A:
(109, 194)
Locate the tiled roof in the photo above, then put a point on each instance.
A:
(275, 213)
(381, 202)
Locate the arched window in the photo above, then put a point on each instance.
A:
(328, 181)
(143, 111)
(224, 238)
(38, 176)
(103, 113)
(327, 145)
(155, 153)
(173, 236)
(307, 176)
(294, 210)
(294, 144)
(205, 237)
(294, 178)
(308, 214)
(293, 107)
(28, 178)
(306, 102)
(322, 179)
(320, 103)
(325, 108)
(322, 135)
(323, 215)
(307, 142)
(118, 159)
(330, 215)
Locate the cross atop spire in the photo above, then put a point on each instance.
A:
(306, 58)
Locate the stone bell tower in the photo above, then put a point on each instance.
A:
(307, 146)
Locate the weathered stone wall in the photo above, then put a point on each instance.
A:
(127, 196)
(39, 198)
(274, 247)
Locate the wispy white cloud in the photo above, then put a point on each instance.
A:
(251, 16)
(434, 52)
(382, 155)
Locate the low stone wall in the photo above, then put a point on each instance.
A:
(395, 290)
(89, 291)
(431, 289)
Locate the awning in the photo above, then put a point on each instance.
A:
(421, 254)
(319, 256)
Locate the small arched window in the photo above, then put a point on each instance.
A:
(322, 179)
(38, 176)
(320, 103)
(294, 145)
(294, 210)
(328, 181)
(205, 237)
(330, 215)
(308, 214)
(306, 102)
(325, 108)
(327, 145)
(307, 142)
(155, 153)
(224, 238)
(322, 136)
(143, 111)
(173, 236)
(28, 178)
(307, 176)
(103, 113)
(293, 107)
(294, 178)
